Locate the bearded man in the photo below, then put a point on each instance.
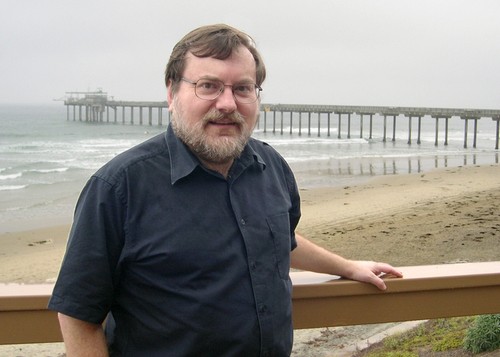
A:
(183, 244)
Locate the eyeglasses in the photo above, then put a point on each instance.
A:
(211, 89)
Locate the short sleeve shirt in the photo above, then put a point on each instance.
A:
(184, 261)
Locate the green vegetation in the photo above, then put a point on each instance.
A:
(432, 336)
(484, 334)
(462, 335)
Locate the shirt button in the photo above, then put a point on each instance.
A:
(262, 308)
(243, 222)
(253, 265)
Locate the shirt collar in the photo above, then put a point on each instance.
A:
(183, 162)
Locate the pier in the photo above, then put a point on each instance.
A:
(311, 120)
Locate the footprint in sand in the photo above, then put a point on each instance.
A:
(40, 242)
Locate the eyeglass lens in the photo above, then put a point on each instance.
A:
(211, 89)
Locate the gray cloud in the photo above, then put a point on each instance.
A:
(389, 52)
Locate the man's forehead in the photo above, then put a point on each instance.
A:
(241, 55)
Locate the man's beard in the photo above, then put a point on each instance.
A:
(218, 150)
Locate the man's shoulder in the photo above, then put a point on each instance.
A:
(261, 146)
(151, 149)
(265, 150)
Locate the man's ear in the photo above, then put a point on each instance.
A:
(170, 95)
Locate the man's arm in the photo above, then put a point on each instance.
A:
(82, 338)
(311, 257)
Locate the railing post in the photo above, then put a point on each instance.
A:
(361, 127)
(394, 128)
(319, 124)
(274, 121)
(265, 121)
(300, 123)
(339, 133)
(446, 131)
(371, 125)
(437, 131)
(419, 129)
(309, 124)
(328, 124)
(348, 125)
(281, 123)
(409, 130)
(385, 128)
(475, 133)
(465, 132)
(497, 132)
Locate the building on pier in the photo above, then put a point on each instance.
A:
(96, 106)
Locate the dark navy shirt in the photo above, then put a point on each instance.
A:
(185, 261)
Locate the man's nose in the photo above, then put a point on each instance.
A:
(225, 102)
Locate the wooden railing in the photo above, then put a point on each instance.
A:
(319, 300)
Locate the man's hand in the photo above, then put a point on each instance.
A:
(370, 272)
(311, 257)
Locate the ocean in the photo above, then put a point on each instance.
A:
(46, 159)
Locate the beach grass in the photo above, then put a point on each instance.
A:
(439, 337)
(433, 336)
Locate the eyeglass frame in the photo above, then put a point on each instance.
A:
(258, 89)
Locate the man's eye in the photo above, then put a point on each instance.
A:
(243, 88)
(208, 86)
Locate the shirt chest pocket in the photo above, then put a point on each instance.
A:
(279, 226)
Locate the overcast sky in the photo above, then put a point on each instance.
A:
(425, 53)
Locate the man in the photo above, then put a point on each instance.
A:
(185, 241)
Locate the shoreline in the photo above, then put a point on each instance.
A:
(394, 192)
(43, 207)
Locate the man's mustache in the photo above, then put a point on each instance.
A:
(217, 116)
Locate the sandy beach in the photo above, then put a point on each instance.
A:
(443, 216)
